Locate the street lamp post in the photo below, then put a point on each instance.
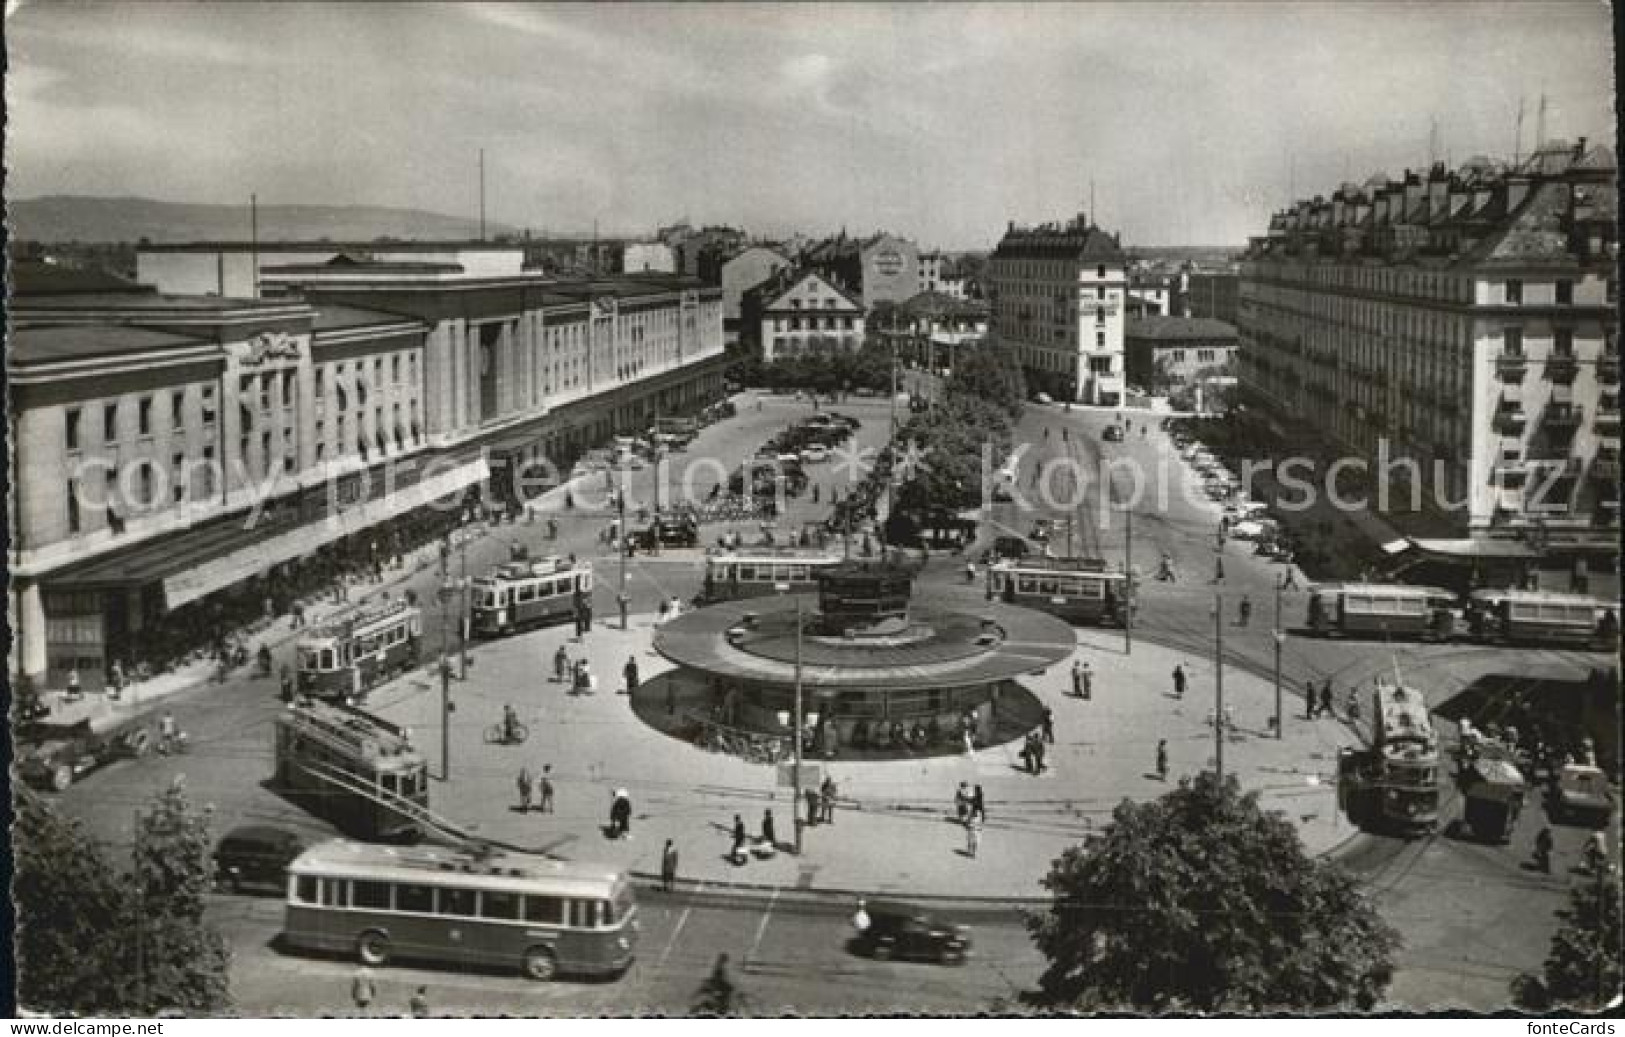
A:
(1280, 639)
(620, 548)
(795, 734)
(1218, 686)
(445, 594)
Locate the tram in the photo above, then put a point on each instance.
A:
(1393, 785)
(1541, 618)
(349, 654)
(357, 770)
(526, 594)
(1386, 609)
(755, 572)
(1080, 590)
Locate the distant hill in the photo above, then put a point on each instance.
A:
(62, 218)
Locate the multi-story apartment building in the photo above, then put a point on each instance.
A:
(1175, 355)
(168, 448)
(1464, 320)
(1057, 295)
(932, 328)
(1151, 294)
(800, 313)
(743, 272)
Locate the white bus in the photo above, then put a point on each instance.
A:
(497, 909)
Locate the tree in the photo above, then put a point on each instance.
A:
(989, 373)
(91, 940)
(1583, 965)
(1201, 901)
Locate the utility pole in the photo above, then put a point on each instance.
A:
(1218, 686)
(482, 194)
(1280, 638)
(253, 242)
(795, 785)
(462, 614)
(891, 475)
(1129, 591)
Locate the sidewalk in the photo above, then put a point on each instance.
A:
(894, 829)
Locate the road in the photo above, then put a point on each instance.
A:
(1471, 916)
(786, 955)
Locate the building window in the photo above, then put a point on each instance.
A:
(1563, 341)
(1100, 271)
(1514, 292)
(1565, 292)
(73, 506)
(319, 386)
(177, 410)
(265, 390)
(1512, 341)
(208, 471)
(143, 416)
(70, 431)
(395, 368)
(177, 463)
(1100, 315)
(208, 405)
(265, 450)
(1100, 340)
(110, 423)
(287, 388)
(146, 486)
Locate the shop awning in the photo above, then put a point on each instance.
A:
(191, 583)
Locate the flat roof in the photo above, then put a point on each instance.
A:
(30, 346)
(338, 317)
(306, 245)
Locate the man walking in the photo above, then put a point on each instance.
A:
(1162, 760)
(826, 795)
(1049, 725)
(1326, 698)
(962, 802)
(561, 661)
(1179, 681)
(1088, 682)
(668, 867)
(1077, 678)
(630, 672)
(546, 805)
(973, 837)
(1309, 693)
(362, 989)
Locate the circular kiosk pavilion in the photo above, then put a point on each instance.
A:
(877, 670)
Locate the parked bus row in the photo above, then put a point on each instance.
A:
(1537, 618)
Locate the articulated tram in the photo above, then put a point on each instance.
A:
(526, 594)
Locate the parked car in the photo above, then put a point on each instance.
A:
(1580, 792)
(1042, 528)
(1010, 547)
(1112, 434)
(898, 930)
(1043, 398)
(256, 855)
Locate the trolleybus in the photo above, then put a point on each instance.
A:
(1538, 617)
(484, 908)
(357, 770)
(526, 594)
(1081, 590)
(1387, 609)
(751, 573)
(349, 654)
(1393, 784)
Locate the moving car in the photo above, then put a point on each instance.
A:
(256, 855)
(1010, 547)
(1112, 434)
(899, 930)
(1580, 792)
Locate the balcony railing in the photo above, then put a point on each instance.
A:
(1511, 366)
(1605, 470)
(1608, 368)
(1507, 472)
(1563, 415)
(1562, 367)
(1510, 419)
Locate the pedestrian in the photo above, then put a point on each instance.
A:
(965, 726)
(1077, 678)
(1218, 569)
(561, 664)
(621, 815)
(769, 836)
(1179, 681)
(1543, 851)
(1246, 609)
(826, 795)
(115, 679)
(1027, 755)
(962, 802)
(419, 1004)
(668, 867)
(630, 672)
(1162, 760)
(860, 918)
(546, 804)
(740, 839)
(287, 684)
(526, 785)
(1049, 725)
(973, 837)
(1038, 752)
(978, 805)
(362, 989)
(74, 689)
(1088, 682)
(1326, 698)
(1310, 712)
(298, 615)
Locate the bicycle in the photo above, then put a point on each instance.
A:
(500, 734)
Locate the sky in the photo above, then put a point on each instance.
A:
(1187, 123)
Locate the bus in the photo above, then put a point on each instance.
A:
(1389, 609)
(359, 771)
(348, 655)
(1080, 590)
(1394, 783)
(483, 907)
(1539, 618)
(753, 572)
(526, 594)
